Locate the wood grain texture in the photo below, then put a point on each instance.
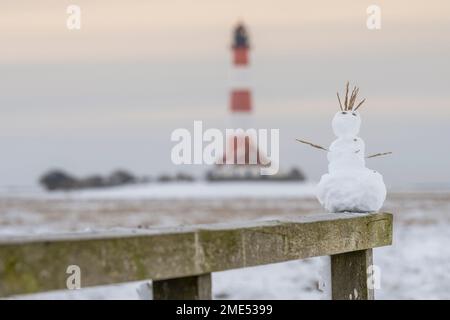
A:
(187, 288)
(349, 277)
(39, 263)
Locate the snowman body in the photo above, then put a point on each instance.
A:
(349, 185)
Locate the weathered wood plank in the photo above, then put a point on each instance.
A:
(187, 288)
(349, 275)
(32, 264)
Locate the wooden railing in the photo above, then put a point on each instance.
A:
(180, 260)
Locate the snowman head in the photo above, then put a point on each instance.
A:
(346, 123)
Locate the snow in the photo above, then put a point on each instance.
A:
(349, 185)
(354, 191)
(346, 123)
(198, 190)
(346, 153)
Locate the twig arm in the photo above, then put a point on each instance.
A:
(312, 144)
(378, 155)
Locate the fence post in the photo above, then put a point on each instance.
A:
(349, 275)
(187, 288)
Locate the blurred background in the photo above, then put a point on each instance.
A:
(109, 95)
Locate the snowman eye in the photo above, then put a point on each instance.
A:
(354, 114)
(344, 112)
(355, 139)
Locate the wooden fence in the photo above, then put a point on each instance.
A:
(180, 260)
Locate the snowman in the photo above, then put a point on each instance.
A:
(349, 186)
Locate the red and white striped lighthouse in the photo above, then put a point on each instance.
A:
(243, 158)
(241, 96)
(241, 149)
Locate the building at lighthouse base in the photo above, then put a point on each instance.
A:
(237, 172)
(242, 160)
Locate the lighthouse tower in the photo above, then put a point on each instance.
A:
(240, 94)
(241, 159)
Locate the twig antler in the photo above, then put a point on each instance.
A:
(359, 105)
(378, 154)
(339, 99)
(346, 95)
(312, 144)
(349, 102)
(353, 98)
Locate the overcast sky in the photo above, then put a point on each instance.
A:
(109, 95)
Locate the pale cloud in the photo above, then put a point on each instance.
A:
(35, 31)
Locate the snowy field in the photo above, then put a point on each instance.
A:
(417, 266)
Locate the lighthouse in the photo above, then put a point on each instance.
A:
(242, 159)
(241, 148)
(240, 89)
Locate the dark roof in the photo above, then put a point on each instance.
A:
(240, 37)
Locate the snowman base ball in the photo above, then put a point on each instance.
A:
(360, 190)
